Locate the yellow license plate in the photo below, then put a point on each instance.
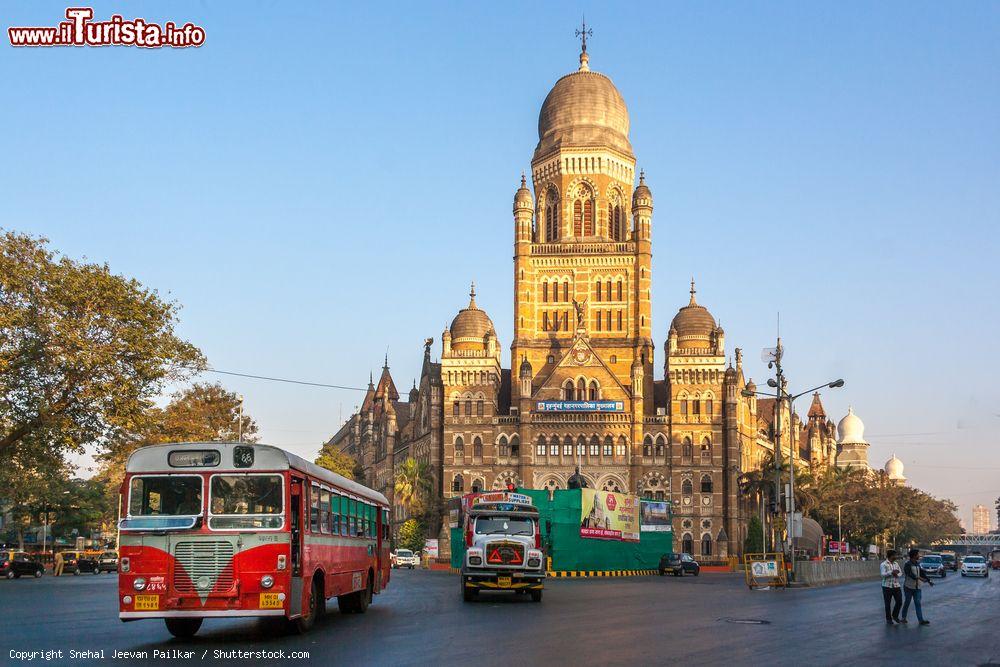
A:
(147, 602)
(503, 582)
(269, 601)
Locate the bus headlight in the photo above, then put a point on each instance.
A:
(127, 599)
(139, 583)
(475, 560)
(266, 581)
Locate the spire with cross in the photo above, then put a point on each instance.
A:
(583, 33)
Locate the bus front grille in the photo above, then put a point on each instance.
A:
(203, 566)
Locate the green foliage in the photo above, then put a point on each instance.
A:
(412, 486)
(338, 462)
(82, 351)
(754, 543)
(411, 535)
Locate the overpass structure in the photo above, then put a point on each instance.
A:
(969, 542)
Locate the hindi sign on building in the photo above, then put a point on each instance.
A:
(580, 406)
(655, 516)
(606, 515)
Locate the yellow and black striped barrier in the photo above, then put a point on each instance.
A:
(600, 573)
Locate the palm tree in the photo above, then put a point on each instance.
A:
(412, 484)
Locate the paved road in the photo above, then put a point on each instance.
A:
(420, 620)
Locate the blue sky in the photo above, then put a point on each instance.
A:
(319, 183)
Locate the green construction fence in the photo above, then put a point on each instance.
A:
(560, 520)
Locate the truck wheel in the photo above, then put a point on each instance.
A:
(183, 628)
(468, 594)
(536, 596)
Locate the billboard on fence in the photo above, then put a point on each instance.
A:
(655, 516)
(606, 515)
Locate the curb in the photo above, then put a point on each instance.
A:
(600, 573)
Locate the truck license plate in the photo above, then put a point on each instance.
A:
(269, 601)
(503, 582)
(147, 602)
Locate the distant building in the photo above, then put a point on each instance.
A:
(852, 448)
(894, 471)
(980, 520)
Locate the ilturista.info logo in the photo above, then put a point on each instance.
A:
(81, 30)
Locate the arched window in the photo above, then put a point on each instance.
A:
(622, 446)
(686, 451)
(578, 218)
(545, 291)
(515, 447)
(607, 287)
(595, 446)
(581, 390)
(599, 323)
(709, 407)
(459, 447)
(696, 407)
(552, 216)
(647, 446)
(567, 446)
(503, 447)
(688, 544)
(684, 407)
(706, 483)
(581, 446)
(477, 448)
(540, 447)
(457, 484)
(616, 220)
(566, 291)
(706, 448)
(609, 445)
(477, 485)
(619, 288)
(660, 496)
(588, 217)
(568, 390)
(706, 545)
(597, 289)
(687, 488)
(659, 446)
(595, 391)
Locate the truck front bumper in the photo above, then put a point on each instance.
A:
(503, 580)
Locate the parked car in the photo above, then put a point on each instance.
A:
(950, 562)
(108, 562)
(75, 562)
(933, 565)
(14, 564)
(404, 558)
(975, 566)
(678, 565)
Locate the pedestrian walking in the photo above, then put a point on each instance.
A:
(892, 594)
(912, 576)
(58, 569)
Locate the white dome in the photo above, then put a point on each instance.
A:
(894, 468)
(851, 429)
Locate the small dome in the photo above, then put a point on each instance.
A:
(470, 326)
(642, 196)
(851, 429)
(894, 469)
(694, 324)
(525, 370)
(523, 198)
(583, 109)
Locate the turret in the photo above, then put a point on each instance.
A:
(642, 210)
(524, 205)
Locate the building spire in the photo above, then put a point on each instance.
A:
(583, 33)
(693, 291)
(472, 295)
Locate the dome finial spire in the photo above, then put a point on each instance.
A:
(524, 182)
(583, 33)
(472, 295)
(693, 291)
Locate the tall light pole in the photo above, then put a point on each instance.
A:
(840, 531)
(240, 396)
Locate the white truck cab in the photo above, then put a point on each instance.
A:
(503, 547)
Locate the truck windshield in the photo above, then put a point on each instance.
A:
(499, 525)
(404, 553)
(245, 501)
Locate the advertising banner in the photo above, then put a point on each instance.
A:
(580, 406)
(655, 516)
(431, 548)
(606, 515)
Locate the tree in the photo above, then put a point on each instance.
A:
(82, 351)
(411, 535)
(754, 543)
(337, 461)
(412, 486)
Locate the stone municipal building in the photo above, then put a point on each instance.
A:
(588, 387)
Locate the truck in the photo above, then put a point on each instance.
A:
(503, 543)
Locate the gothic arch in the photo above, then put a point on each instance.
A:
(612, 482)
(500, 481)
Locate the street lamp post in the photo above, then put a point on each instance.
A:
(840, 530)
(241, 418)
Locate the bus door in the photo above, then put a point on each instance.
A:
(297, 536)
(379, 557)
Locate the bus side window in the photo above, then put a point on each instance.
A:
(385, 524)
(344, 507)
(368, 520)
(314, 509)
(324, 511)
(334, 513)
(354, 518)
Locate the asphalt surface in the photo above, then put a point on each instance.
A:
(420, 620)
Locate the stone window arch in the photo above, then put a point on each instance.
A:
(622, 446)
(594, 392)
(686, 448)
(647, 446)
(595, 446)
(459, 447)
(706, 483)
(583, 211)
(581, 390)
(568, 390)
(477, 448)
(515, 446)
(502, 446)
(581, 446)
(552, 232)
(540, 447)
(660, 445)
(478, 485)
(706, 544)
(687, 544)
(687, 488)
(609, 446)
(706, 448)
(457, 483)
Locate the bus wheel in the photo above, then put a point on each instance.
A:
(536, 596)
(304, 623)
(183, 628)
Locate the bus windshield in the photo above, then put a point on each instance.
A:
(246, 501)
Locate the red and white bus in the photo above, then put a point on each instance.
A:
(221, 529)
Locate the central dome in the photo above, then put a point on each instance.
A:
(583, 109)
(694, 324)
(469, 328)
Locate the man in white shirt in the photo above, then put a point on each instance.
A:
(891, 591)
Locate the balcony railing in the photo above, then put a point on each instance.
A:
(599, 248)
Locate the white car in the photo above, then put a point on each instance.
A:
(975, 566)
(404, 558)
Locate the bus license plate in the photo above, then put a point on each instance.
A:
(269, 601)
(147, 602)
(503, 582)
